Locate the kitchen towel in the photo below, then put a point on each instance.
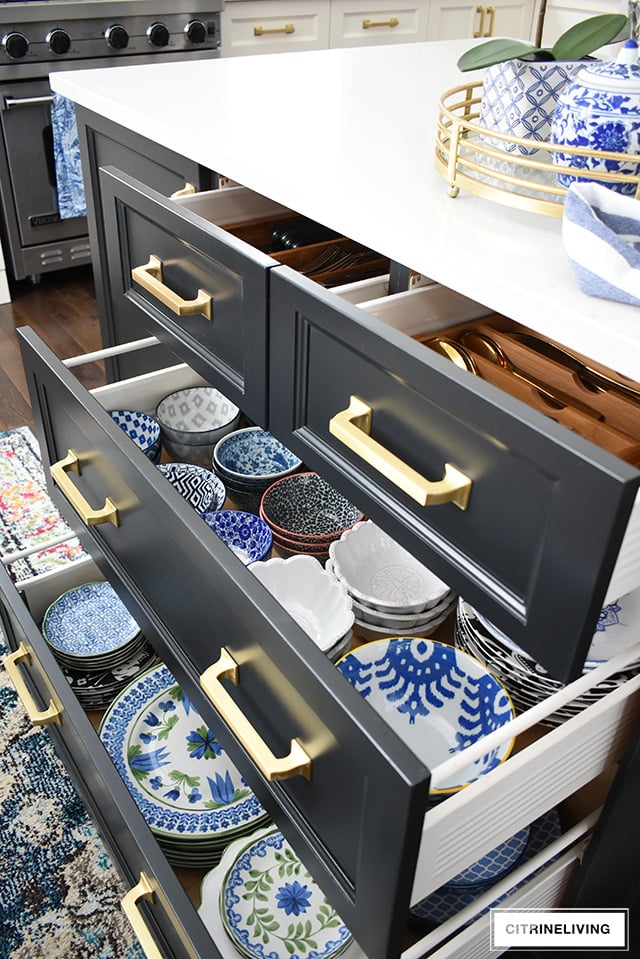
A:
(601, 235)
(66, 153)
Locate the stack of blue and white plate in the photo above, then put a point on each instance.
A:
(96, 641)
(191, 795)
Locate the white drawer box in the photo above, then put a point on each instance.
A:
(274, 26)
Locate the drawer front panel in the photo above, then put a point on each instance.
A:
(546, 510)
(275, 26)
(225, 338)
(193, 597)
(377, 22)
(172, 919)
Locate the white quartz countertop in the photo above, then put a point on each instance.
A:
(347, 137)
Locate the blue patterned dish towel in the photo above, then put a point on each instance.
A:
(601, 235)
(66, 150)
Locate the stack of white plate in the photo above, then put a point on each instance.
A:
(191, 795)
(96, 641)
(526, 680)
(391, 592)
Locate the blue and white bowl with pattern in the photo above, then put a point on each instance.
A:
(246, 534)
(438, 700)
(142, 428)
(600, 112)
(201, 488)
(253, 455)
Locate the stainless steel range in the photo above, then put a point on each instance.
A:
(38, 38)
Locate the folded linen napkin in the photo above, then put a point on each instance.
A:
(66, 152)
(601, 235)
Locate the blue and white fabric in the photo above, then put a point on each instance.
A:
(601, 235)
(66, 152)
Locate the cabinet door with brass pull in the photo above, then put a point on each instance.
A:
(376, 22)
(501, 502)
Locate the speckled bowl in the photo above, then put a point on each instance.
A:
(142, 428)
(305, 508)
(201, 488)
(246, 534)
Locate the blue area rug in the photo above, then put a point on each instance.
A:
(60, 893)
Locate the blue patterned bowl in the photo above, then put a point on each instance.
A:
(201, 488)
(143, 429)
(436, 698)
(246, 534)
(253, 455)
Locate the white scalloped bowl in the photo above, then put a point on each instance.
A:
(317, 602)
(380, 573)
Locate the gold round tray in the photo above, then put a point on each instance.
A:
(489, 163)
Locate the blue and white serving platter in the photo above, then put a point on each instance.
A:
(191, 795)
(272, 908)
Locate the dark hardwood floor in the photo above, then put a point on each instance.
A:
(62, 309)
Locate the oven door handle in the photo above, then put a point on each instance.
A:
(11, 103)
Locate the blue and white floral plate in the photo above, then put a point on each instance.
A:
(188, 790)
(272, 908)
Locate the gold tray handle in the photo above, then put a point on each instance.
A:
(143, 890)
(297, 763)
(150, 276)
(92, 517)
(37, 717)
(353, 428)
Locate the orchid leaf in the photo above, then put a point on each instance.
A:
(583, 38)
(494, 51)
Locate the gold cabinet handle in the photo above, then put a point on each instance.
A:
(480, 30)
(353, 428)
(391, 22)
(150, 276)
(492, 15)
(38, 717)
(297, 763)
(187, 190)
(143, 890)
(263, 31)
(92, 517)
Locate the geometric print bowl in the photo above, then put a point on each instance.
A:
(143, 429)
(201, 488)
(248, 536)
(436, 698)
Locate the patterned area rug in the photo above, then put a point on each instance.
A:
(60, 893)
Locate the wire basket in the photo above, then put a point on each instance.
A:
(488, 163)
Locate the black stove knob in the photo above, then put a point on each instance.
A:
(15, 45)
(158, 35)
(195, 31)
(59, 41)
(116, 36)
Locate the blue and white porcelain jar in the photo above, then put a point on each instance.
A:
(600, 111)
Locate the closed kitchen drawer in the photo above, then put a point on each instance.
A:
(375, 22)
(274, 26)
(517, 513)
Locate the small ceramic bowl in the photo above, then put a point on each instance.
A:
(253, 455)
(246, 534)
(436, 698)
(380, 573)
(143, 429)
(312, 597)
(198, 416)
(201, 488)
(306, 508)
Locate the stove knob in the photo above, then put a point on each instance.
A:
(195, 31)
(59, 41)
(117, 37)
(16, 45)
(158, 35)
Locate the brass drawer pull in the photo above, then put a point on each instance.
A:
(187, 190)
(38, 717)
(262, 31)
(149, 276)
(92, 517)
(353, 428)
(297, 763)
(391, 22)
(143, 890)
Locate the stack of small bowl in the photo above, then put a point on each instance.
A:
(391, 592)
(143, 429)
(307, 515)
(193, 420)
(248, 461)
(202, 489)
(96, 641)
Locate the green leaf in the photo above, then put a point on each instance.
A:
(583, 38)
(494, 51)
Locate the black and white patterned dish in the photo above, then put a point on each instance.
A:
(246, 534)
(304, 507)
(89, 621)
(253, 454)
(201, 488)
(142, 428)
(200, 414)
(97, 689)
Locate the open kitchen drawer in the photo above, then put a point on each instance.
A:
(528, 520)
(361, 821)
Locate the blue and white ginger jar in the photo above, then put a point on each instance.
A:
(600, 110)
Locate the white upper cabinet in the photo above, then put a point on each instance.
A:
(562, 14)
(356, 23)
(453, 19)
